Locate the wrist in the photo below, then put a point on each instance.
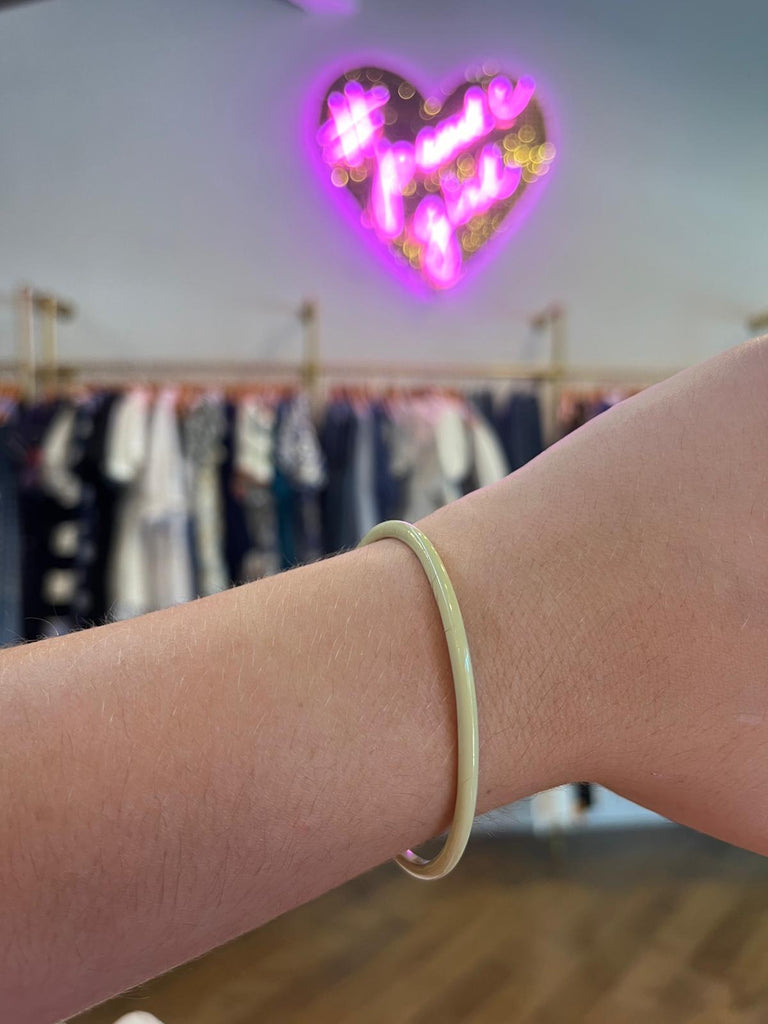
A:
(518, 583)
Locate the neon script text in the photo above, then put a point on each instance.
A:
(355, 124)
(444, 195)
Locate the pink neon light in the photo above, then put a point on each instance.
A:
(436, 146)
(355, 135)
(492, 182)
(394, 170)
(355, 123)
(507, 101)
(440, 255)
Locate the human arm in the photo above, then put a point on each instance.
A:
(170, 782)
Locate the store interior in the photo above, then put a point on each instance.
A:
(232, 340)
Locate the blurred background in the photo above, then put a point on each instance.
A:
(219, 359)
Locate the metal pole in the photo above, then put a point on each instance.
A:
(26, 350)
(50, 308)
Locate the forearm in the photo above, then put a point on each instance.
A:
(170, 782)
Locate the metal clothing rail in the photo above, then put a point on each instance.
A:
(28, 303)
(310, 369)
(40, 364)
(248, 371)
(554, 374)
(203, 371)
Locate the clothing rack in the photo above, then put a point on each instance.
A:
(36, 361)
(33, 369)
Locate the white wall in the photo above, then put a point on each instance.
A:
(152, 168)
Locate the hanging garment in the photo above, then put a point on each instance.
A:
(79, 542)
(165, 513)
(388, 488)
(98, 514)
(63, 486)
(484, 403)
(453, 447)
(255, 471)
(415, 459)
(364, 471)
(337, 438)
(48, 545)
(204, 431)
(298, 451)
(299, 477)
(10, 542)
(56, 474)
(237, 541)
(572, 413)
(518, 424)
(125, 455)
(430, 451)
(604, 401)
(254, 455)
(489, 463)
(576, 409)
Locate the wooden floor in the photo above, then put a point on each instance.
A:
(659, 926)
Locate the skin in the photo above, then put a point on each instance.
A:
(171, 782)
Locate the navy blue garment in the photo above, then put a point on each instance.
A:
(483, 402)
(388, 488)
(518, 424)
(288, 519)
(287, 506)
(237, 541)
(337, 439)
(10, 545)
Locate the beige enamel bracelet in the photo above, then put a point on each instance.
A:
(466, 701)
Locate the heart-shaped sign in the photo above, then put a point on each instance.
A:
(437, 177)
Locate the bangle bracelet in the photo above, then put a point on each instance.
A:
(466, 701)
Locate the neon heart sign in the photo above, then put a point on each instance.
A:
(435, 180)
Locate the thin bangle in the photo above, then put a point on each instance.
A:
(466, 701)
